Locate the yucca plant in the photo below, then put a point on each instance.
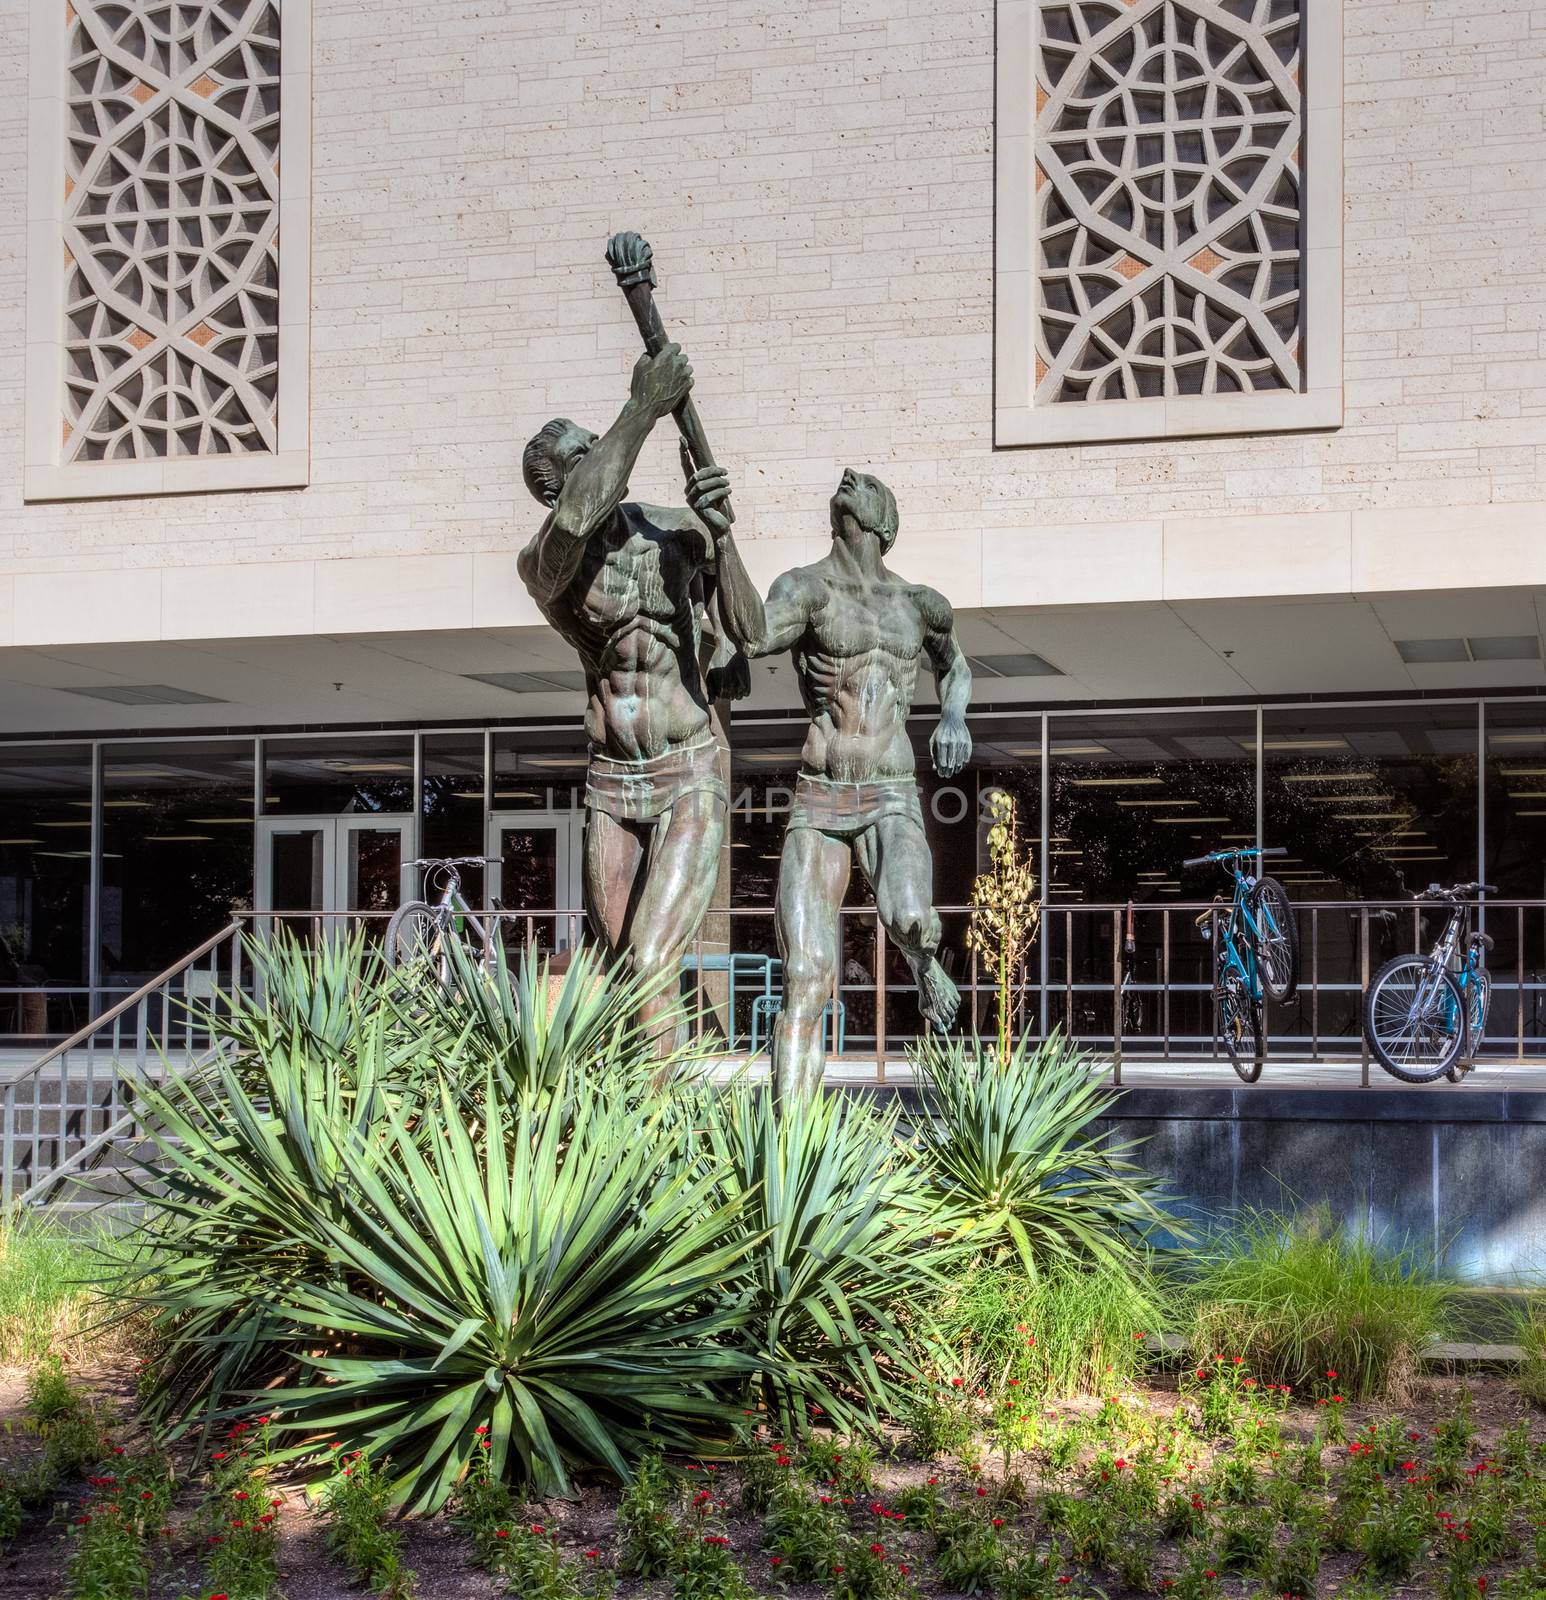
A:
(842, 1236)
(553, 1274)
(531, 1028)
(324, 990)
(1012, 1142)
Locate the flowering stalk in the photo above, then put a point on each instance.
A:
(1005, 910)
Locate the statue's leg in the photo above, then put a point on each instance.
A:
(678, 887)
(812, 879)
(895, 856)
(613, 853)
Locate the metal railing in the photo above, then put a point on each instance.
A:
(76, 1101)
(75, 1105)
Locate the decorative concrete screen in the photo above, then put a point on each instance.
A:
(1169, 226)
(168, 275)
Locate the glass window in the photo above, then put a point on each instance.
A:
(338, 774)
(177, 835)
(454, 823)
(1516, 863)
(541, 769)
(45, 879)
(1371, 803)
(1132, 796)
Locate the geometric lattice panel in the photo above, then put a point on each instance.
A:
(171, 229)
(1169, 234)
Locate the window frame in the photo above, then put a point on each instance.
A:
(1018, 418)
(45, 474)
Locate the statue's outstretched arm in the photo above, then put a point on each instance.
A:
(598, 481)
(950, 744)
(757, 627)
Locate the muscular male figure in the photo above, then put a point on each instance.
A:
(627, 585)
(857, 632)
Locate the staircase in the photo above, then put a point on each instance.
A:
(71, 1131)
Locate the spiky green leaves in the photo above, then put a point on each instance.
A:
(1014, 1144)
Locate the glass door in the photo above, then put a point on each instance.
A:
(537, 868)
(323, 865)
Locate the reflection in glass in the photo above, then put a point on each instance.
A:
(45, 877)
(1132, 796)
(453, 804)
(1372, 803)
(338, 774)
(177, 834)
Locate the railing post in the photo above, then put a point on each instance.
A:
(1068, 973)
(8, 1147)
(1363, 978)
(1165, 978)
(1519, 991)
(1116, 997)
(1315, 983)
(880, 1001)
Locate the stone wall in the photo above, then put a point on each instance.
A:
(818, 183)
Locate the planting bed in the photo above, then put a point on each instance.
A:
(1489, 1473)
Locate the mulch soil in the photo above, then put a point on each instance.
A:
(33, 1568)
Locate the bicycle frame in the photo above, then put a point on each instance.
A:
(1241, 934)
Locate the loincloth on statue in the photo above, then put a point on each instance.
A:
(845, 809)
(643, 791)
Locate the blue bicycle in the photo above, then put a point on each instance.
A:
(1425, 1016)
(1256, 954)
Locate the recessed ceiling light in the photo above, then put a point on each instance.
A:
(1171, 803)
(39, 841)
(1326, 777)
(1427, 652)
(1025, 665)
(539, 682)
(1506, 647)
(85, 822)
(1072, 750)
(1110, 783)
(209, 822)
(1516, 738)
(1371, 816)
(147, 694)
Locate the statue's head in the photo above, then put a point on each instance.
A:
(550, 455)
(863, 504)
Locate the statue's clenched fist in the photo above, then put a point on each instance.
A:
(660, 382)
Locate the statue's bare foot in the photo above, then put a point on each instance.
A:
(938, 997)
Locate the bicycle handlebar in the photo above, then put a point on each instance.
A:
(1456, 891)
(1230, 855)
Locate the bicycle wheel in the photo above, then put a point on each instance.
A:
(1277, 949)
(1478, 996)
(413, 934)
(1414, 1019)
(1240, 1025)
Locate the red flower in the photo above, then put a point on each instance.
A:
(537, 1528)
(501, 1533)
(590, 1555)
(878, 1550)
(981, 1492)
(955, 1383)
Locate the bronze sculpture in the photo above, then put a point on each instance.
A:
(856, 632)
(630, 587)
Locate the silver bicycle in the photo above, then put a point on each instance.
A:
(424, 930)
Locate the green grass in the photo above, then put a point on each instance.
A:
(49, 1299)
(1085, 1321)
(1528, 1330)
(1298, 1295)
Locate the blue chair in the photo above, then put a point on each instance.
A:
(767, 1006)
